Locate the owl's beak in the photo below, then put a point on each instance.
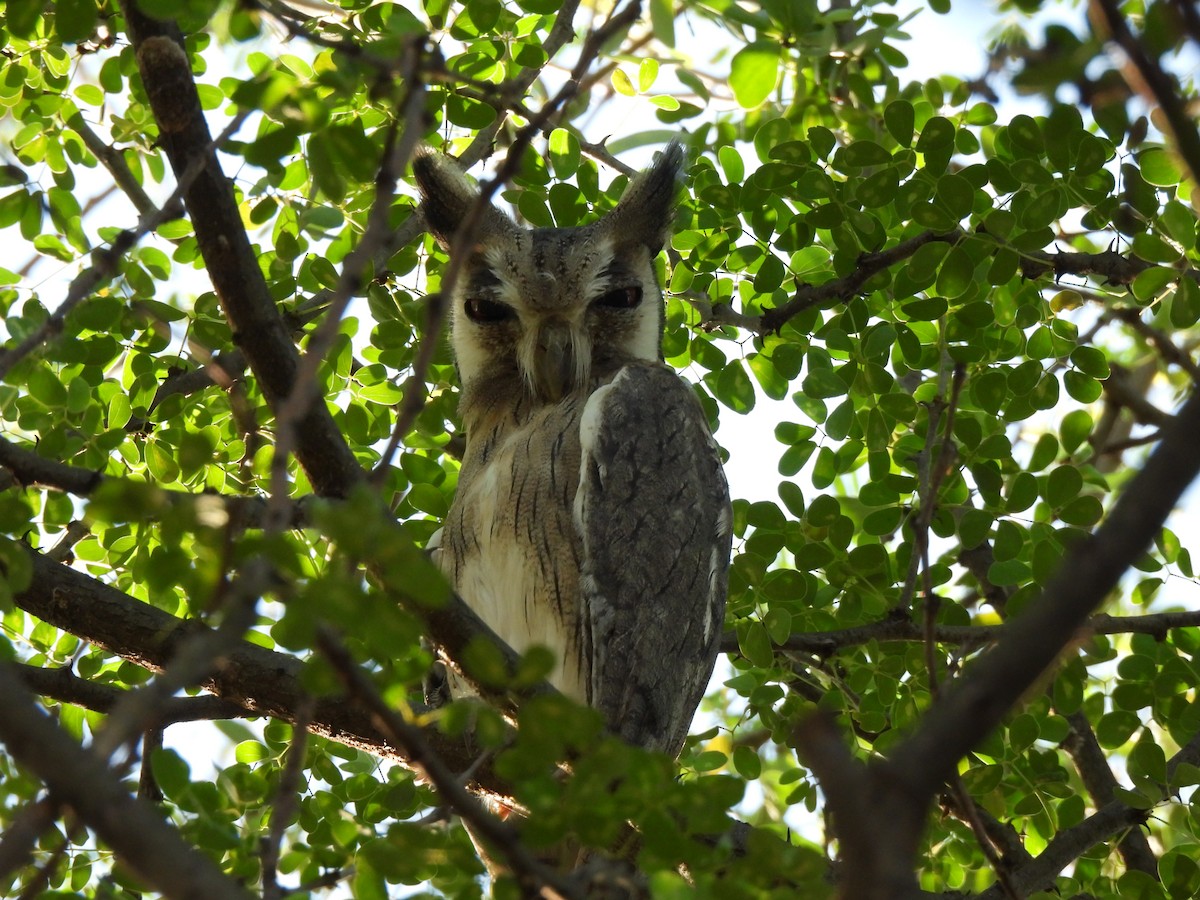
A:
(554, 363)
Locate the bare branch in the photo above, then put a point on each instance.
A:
(77, 777)
(826, 643)
(285, 804)
(60, 684)
(262, 681)
(1149, 79)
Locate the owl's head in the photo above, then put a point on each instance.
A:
(552, 309)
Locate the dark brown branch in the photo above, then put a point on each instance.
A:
(1100, 782)
(229, 258)
(531, 874)
(1150, 80)
(1033, 641)
(1111, 265)
(59, 683)
(994, 682)
(1068, 845)
(808, 296)
(1082, 745)
(30, 468)
(251, 677)
(826, 643)
(78, 778)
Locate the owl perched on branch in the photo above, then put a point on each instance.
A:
(592, 515)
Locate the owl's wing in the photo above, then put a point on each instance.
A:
(652, 511)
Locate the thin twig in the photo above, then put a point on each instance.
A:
(105, 262)
(826, 643)
(531, 874)
(285, 804)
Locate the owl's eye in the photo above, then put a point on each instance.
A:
(621, 298)
(483, 311)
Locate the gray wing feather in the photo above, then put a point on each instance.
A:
(653, 514)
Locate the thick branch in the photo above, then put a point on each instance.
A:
(132, 828)
(994, 683)
(1152, 82)
(1100, 782)
(262, 681)
(230, 260)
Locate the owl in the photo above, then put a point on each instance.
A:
(592, 514)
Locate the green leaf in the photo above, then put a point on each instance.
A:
(732, 164)
(1090, 361)
(662, 21)
(1024, 133)
(1147, 285)
(937, 134)
(75, 20)
(621, 83)
(1159, 167)
(1064, 484)
(900, 119)
(746, 762)
(957, 193)
(1082, 387)
(647, 74)
(21, 16)
(1082, 512)
(251, 752)
(1185, 304)
(46, 387)
(1076, 428)
(956, 274)
(564, 153)
(755, 645)
(733, 388)
(862, 154)
(52, 245)
(754, 72)
(171, 773)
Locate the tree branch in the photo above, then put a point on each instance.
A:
(59, 683)
(262, 681)
(230, 260)
(30, 468)
(1150, 80)
(132, 828)
(826, 643)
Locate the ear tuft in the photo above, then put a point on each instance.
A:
(446, 193)
(646, 208)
